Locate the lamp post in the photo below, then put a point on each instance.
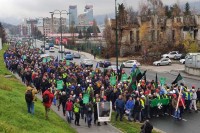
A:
(116, 34)
(60, 13)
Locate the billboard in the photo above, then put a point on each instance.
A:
(104, 111)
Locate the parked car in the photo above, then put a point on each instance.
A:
(69, 57)
(76, 55)
(182, 61)
(172, 55)
(105, 63)
(51, 49)
(131, 63)
(113, 67)
(86, 63)
(162, 62)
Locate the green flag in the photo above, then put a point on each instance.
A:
(86, 98)
(113, 80)
(44, 60)
(67, 62)
(133, 84)
(162, 80)
(178, 78)
(59, 84)
(124, 77)
(48, 59)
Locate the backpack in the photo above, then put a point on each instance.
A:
(46, 98)
(29, 96)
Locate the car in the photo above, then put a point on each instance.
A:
(113, 67)
(76, 55)
(104, 64)
(172, 55)
(162, 62)
(131, 63)
(182, 61)
(86, 63)
(69, 57)
(67, 52)
(51, 49)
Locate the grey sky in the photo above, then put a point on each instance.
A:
(41, 8)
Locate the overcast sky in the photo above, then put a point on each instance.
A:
(41, 8)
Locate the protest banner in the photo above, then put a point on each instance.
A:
(124, 77)
(86, 98)
(113, 80)
(162, 80)
(104, 111)
(59, 84)
(67, 62)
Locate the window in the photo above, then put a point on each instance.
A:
(131, 36)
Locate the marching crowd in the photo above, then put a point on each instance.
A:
(149, 99)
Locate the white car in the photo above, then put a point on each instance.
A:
(131, 63)
(172, 55)
(182, 61)
(51, 49)
(86, 63)
(162, 62)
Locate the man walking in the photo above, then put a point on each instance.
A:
(77, 112)
(194, 98)
(30, 98)
(47, 101)
(119, 105)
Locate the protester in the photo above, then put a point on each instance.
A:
(77, 112)
(129, 107)
(146, 127)
(69, 109)
(89, 112)
(119, 105)
(30, 98)
(47, 101)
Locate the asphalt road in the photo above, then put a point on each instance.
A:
(190, 123)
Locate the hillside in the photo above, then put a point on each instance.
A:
(13, 112)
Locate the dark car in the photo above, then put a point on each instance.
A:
(104, 64)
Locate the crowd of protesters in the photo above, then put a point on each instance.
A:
(78, 80)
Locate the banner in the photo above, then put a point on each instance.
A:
(67, 62)
(86, 98)
(124, 77)
(162, 80)
(113, 80)
(48, 59)
(59, 84)
(158, 102)
(44, 60)
(104, 111)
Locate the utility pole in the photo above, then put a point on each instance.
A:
(116, 34)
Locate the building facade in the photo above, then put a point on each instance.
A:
(73, 17)
(153, 31)
(87, 17)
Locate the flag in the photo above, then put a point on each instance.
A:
(97, 65)
(178, 78)
(113, 80)
(156, 81)
(133, 68)
(56, 60)
(133, 83)
(144, 75)
(138, 74)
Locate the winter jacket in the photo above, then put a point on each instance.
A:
(69, 106)
(130, 105)
(51, 96)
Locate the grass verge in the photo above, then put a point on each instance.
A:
(13, 112)
(125, 126)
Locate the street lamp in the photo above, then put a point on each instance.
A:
(60, 12)
(116, 34)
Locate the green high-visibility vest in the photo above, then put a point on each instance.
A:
(76, 107)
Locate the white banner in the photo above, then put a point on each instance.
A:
(104, 111)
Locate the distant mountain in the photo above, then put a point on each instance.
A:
(100, 18)
(11, 20)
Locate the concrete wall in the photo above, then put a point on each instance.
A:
(193, 71)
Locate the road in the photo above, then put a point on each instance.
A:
(190, 123)
(83, 128)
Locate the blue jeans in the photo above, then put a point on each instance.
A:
(30, 107)
(69, 116)
(89, 118)
(177, 113)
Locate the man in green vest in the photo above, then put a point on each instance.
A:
(188, 98)
(77, 112)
